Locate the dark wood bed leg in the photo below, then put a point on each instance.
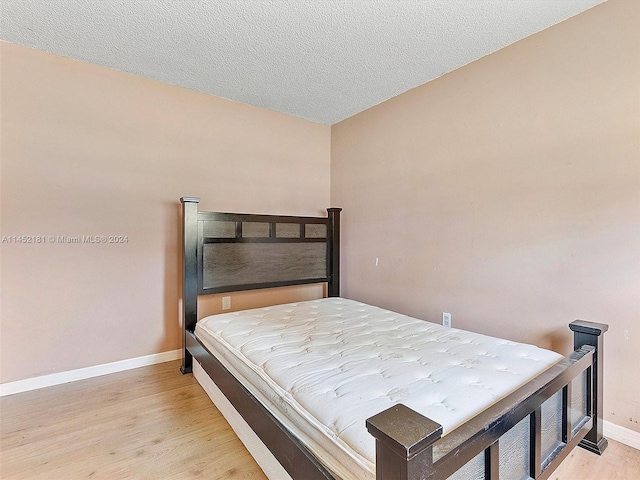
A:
(589, 333)
(187, 362)
(333, 289)
(404, 440)
(189, 276)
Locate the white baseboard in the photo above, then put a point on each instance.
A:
(34, 383)
(621, 434)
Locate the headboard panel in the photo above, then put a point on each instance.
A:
(243, 266)
(227, 252)
(242, 252)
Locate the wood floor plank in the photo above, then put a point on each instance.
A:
(618, 462)
(154, 423)
(150, 422)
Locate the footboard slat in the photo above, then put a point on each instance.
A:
(535, 453)
(492, 462)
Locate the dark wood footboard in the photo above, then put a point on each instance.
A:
(409, 446)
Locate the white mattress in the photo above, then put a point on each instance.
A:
(323, 367)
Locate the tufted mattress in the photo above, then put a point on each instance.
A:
(323, 367)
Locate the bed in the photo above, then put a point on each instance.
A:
(334, 388)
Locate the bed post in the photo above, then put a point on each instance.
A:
(589, 333)
(189, 275)
(334, 252)
(404, 443)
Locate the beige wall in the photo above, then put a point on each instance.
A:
(508, 193)
(92, 151)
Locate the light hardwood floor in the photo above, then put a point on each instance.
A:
(154, 423)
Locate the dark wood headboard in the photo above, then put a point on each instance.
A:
(228, 252)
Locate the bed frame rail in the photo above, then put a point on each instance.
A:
(410, 446)
(288, 450)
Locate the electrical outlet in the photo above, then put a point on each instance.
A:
(446, 319)
(226, 303)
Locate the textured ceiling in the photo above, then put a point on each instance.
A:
(323, 60)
